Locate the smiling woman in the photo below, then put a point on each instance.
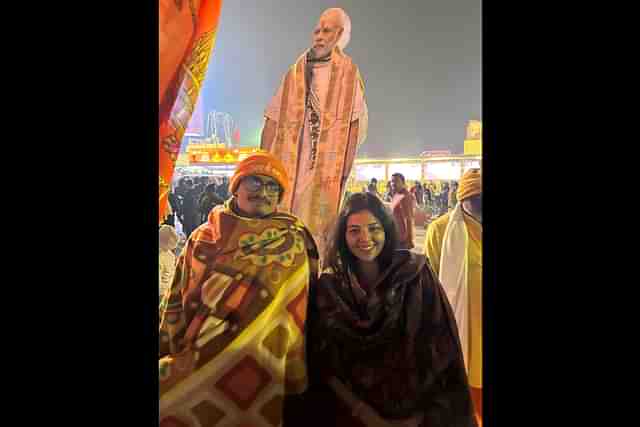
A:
(383, 342)
(365, 236)
(364, 223)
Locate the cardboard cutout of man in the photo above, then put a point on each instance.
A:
(315, 123)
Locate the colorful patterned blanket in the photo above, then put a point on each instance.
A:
(232, 329)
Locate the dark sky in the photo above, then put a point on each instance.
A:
(420, 60)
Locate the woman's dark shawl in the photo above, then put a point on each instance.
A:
(397, 348)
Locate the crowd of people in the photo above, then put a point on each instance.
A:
(434, 198)
(294, 304)
(192, 199)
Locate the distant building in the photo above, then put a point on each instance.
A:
(473, 140)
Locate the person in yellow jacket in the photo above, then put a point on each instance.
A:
(453, 246)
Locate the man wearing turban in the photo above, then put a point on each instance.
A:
(232, 345)
(315, 122)
(453, 246)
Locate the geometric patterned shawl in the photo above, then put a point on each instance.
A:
(232, 342)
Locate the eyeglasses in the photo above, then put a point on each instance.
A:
(255, 184)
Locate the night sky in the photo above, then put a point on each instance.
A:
(420, 60)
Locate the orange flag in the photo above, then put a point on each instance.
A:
(187, 34)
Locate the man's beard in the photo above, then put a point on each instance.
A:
(266, 206)
(260, 199)
(257, 210)
(315, 56)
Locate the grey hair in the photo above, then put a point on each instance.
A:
(345, 21)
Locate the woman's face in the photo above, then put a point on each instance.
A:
(365, 235)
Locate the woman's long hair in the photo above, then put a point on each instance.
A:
(339, 258)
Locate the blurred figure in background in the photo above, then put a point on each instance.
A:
(190, 209)
(388, 194)
(208, 200)
(428, 198)
(402, 207)
(453, 197)
(168, 242)
(223, 189)
(418, 193)
(373, 188)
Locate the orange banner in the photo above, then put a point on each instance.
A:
(187, 34)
